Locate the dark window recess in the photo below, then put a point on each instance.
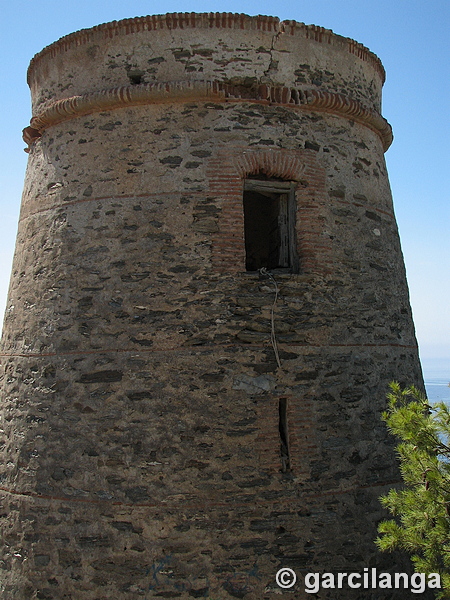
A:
(269, 225)
(284, 435)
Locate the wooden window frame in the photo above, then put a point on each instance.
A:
(287, 228)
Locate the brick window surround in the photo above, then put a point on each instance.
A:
(226, 172)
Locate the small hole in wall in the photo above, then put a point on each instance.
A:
(136, 77)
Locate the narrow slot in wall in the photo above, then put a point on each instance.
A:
(284, 435)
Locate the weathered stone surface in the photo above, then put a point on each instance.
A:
(142, 444)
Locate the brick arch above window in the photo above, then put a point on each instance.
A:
(227, 171)
(283, 164)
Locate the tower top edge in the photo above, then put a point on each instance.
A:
(211, 20)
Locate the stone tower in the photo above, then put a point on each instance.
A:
(208, 301)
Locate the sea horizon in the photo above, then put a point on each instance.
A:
(436, 374)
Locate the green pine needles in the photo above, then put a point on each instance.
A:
(422, 508)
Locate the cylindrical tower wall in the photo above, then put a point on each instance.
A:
(174, 424)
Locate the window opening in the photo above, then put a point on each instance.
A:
(269, 225)
(284, 435)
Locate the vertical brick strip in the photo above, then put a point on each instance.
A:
(301, 436)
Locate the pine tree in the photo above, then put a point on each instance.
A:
(422, 508)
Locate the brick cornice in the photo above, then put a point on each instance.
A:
(181, 91)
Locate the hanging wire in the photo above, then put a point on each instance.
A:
(273, 339)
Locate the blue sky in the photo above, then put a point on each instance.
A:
(411, 37)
